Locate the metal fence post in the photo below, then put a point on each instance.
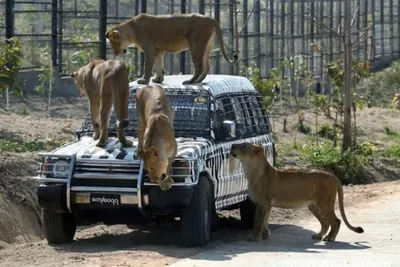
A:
(143, 10)
(201, 6)
(103, 29)
(217, 18)
(54, 40)
(183, 54)
(9, 18)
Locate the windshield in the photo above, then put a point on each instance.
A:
(191, 114)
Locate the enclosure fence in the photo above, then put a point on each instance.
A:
(65, 33)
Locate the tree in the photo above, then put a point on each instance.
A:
(345, 38)
(10, 62)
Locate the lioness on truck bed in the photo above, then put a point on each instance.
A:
(157, 34)
(156, 145)
(105, 83)
(270, 187)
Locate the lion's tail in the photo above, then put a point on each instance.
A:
(222, 44)
(341, 207)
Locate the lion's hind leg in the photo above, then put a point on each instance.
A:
(121, 103)
(197, 50)
(105, 108)
(206, 63)
(323, 221)
(335, 226)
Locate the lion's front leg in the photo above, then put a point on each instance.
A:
(159, 69)
(149, 58)
(259, 221)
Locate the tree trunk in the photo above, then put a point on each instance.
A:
(347, 69)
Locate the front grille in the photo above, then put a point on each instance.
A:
(106, 173)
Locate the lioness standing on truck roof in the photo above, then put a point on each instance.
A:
(270, 187)
(157, 145)
(105, 83)
(157, 34)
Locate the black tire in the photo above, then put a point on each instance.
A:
(247, 212)
(58, 228)
(197, 217)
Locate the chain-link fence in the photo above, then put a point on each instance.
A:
(68, 32)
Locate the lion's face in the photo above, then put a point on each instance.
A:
(155, 165)
(246, 151)
(117, 42)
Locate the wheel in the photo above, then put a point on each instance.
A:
(196, 218)
(58, 228)
(247, 212)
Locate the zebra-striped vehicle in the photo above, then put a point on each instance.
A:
(81, 184)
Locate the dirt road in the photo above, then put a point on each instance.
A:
(291, 245)
(154, 245)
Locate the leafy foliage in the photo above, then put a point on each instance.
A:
(11, 57)
(393, 152)
(347, 165)
(32, 146)
(264, 86)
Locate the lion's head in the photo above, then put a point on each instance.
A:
(118, 41)
(247, 151)
(155, 164)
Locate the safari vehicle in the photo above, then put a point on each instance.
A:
(81, 184)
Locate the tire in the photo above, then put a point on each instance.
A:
(247, 212)
(197, 217)
(58, 228)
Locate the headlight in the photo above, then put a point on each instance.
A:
(60, 169)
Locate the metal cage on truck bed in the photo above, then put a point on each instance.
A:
(191, 113)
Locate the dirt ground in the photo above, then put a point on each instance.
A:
(21, 239)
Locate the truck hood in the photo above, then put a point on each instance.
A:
(85, 148)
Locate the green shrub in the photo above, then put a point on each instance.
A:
(347, 165)
(327, 131)
(393, 152)
(389, 131)
(303, 128)
(32, 146)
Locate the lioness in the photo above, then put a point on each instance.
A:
(105, 83)
(270, 187)
(157, 145)
(157, 34)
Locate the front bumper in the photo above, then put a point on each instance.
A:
(153, 200)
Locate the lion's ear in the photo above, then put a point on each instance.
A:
(74, 74)
(153, 151)
(114, 34)
(257, 149)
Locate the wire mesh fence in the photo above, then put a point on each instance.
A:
(269, 31)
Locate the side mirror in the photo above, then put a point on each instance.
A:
(230, 126)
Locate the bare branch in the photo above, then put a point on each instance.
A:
(247, 19)
(363, 40)
(364, 29)
(319, 23)
(354, 16)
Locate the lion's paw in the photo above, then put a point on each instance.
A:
(266, 233)
(166, 184)
(251, 238)
(328, 238)
(187, 82)
(316, 237)
(158, 79)
(142, 81)
(100, 143)
(127, 143)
